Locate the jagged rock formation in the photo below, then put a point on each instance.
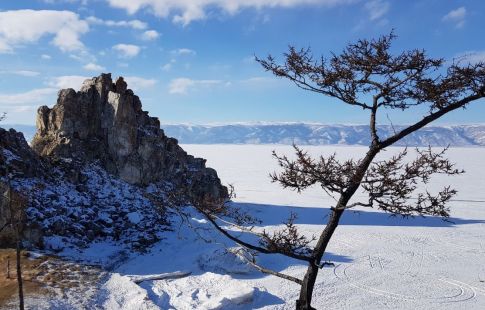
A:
(16, 161)
(104, 121)
(17, 156)
(99, 167)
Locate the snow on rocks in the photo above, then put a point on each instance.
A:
(99, 167)
(134, 217)
(101, 207)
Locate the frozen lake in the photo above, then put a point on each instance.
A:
(380, 262)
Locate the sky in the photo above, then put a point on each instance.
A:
(192, 61)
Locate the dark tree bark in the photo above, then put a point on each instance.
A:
(16, 204)
(305, 299)
(19, 273)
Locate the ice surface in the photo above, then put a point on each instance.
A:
(380, 262)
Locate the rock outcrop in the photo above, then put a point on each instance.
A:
(17, 156)
(99, 168)
(104, 121)
(17, 160)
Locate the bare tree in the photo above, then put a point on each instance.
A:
(16, 208)
(368, 76)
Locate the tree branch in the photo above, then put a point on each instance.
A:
(428, 119)
(246, 244)
(253, 263)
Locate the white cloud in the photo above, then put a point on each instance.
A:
(29, 98)
(150, 35)
(127, 50)
(471, 57)
(83, 56)
(249, 60)
(27, 73)
(67, 81)
(257, 79)
(21, 108)
(168, 66)
(135, 24)
(137, 83)
(261, 83)
(456, 17)
(186, 11)
(75, 82)
(28, 26)
(377, 9)
(184, 85)
(183, 51)
(93, 67)
(46, 57)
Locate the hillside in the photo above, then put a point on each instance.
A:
(98, 170)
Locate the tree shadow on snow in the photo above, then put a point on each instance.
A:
(277, 214)
(218, 261)
(213, 258)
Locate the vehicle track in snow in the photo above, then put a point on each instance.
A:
(457, 291)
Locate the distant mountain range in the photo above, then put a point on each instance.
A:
(310, 134)
(319, 134)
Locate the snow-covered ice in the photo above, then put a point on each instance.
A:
(380, 262)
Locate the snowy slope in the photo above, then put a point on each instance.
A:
(380, 262)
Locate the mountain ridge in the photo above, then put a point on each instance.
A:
(310, 133)
(322, 134)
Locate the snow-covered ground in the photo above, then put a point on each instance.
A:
(381, 262)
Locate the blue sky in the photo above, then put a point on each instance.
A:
(192, 61)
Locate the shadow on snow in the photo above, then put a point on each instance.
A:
(277, 214)
(187, 255)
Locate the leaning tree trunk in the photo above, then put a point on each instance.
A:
(305, 299)
(306, 291)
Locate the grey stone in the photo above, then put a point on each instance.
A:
(105, 122)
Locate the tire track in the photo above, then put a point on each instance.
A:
(464, 292)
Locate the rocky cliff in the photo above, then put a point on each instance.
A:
(100, 167)
(104, 121)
